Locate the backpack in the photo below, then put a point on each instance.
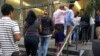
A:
(85, 21)
(46, 25)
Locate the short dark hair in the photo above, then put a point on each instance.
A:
(71, 6)
(6, 9)
(77, 14)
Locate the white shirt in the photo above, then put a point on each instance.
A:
(77, 20)
(92, 21)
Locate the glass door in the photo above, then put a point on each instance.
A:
(23, 6)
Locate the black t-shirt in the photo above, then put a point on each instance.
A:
(46, 25)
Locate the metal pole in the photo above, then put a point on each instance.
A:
(50, 7)
(21, 16)
(1, 3)
(67, 49)
(77, 37)
(92, 34)
(93, 25)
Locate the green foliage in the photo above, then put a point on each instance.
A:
(89, 9)
(92, 5)
(97, 4)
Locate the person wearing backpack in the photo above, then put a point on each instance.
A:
(31, 34)
(45, 33)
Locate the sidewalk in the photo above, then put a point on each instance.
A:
(52, 44)
(53, 48)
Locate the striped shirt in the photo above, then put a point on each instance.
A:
(8, 28)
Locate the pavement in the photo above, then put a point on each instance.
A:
(80, 48)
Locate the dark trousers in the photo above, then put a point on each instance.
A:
(31, 45)
(85, 34)
(59, 27)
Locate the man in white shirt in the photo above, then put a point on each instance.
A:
(9, 32)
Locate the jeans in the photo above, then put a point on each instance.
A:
(75, 33)
(74, 36)
(31, 45)
(44, 42)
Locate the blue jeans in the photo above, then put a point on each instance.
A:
(43, 48)
(75, 33)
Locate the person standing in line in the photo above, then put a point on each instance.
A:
(97, 18)
(9, 32)
(97, 23)
(76, 29)
(85, 26)
(31, 34)
(45, 33)
(58, 21)
(69, 21)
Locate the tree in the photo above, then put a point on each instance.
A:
(91, 6)
(97, 4)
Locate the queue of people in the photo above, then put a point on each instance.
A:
(37, 34)
(39, 30)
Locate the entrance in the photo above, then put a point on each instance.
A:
(23, 6)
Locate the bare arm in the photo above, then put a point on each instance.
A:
(16, 32)
(17, 36)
